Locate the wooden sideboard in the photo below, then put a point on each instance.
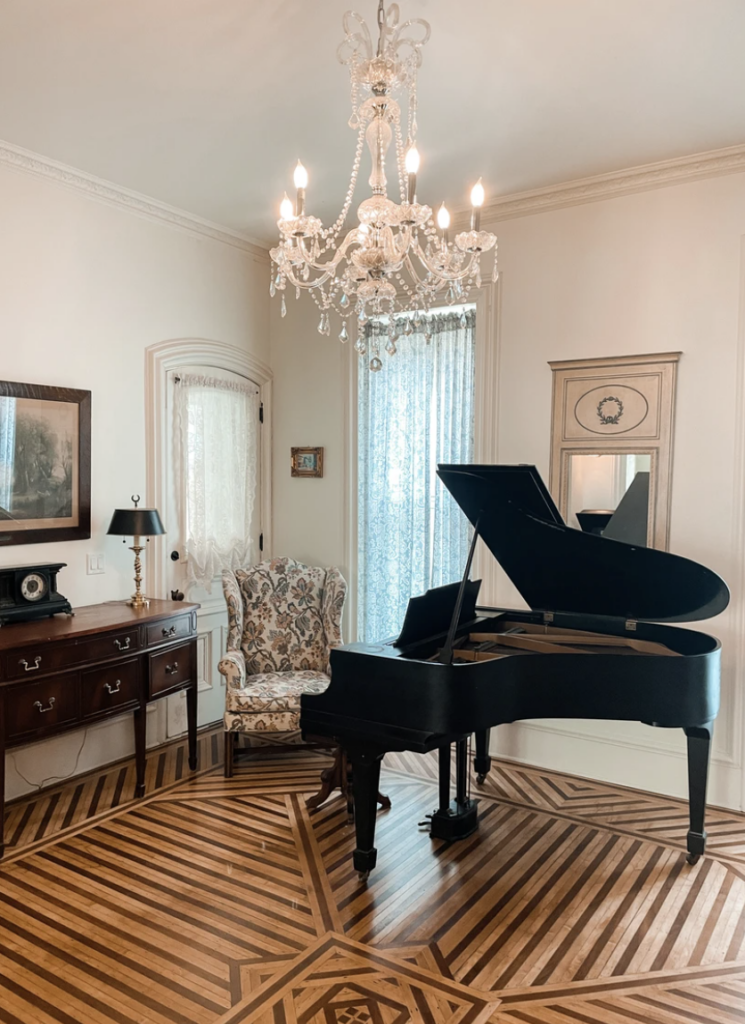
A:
(105, 660)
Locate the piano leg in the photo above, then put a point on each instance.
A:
(366, 763)
(482, 761)
(699, 743)
(459, 818)
(443, 756)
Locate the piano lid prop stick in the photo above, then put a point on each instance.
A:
(447, 651)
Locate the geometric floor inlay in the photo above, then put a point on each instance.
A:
(226, 902)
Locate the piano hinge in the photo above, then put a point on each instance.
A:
(630, 624)
(548, 618)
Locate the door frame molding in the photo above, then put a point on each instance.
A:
(159, 360)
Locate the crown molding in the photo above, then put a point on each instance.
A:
(617, 183)
(107, 192)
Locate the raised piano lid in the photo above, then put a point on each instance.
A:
(560, 569)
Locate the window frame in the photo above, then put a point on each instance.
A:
(486, 442)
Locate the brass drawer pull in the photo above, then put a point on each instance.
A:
(172, 669)
(116, 688)
(169, 632)
(124, 646)
(42, 709)
(31, 668)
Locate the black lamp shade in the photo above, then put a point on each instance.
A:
(136, 522)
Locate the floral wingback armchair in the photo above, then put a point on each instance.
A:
(283, 620)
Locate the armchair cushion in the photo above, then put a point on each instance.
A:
(275, 691)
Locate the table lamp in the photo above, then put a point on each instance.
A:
(136, 523)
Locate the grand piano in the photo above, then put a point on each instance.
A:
(591, 646)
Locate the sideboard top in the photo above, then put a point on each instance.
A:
(91, 619)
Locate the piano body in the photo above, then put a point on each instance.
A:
(593, 645)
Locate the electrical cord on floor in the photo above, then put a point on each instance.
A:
(36, 787)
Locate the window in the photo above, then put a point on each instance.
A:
(217, 460)
(415, 413)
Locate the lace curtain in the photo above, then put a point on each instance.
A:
(414, 414)
(7, 453)
(217, 442)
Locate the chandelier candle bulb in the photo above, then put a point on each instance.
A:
(443, 222)
(286, 209)
(412, 167)
(477, 201)
(300, 178)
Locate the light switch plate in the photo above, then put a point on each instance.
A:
(95, 565)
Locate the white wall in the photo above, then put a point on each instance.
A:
(86, 287)
(652, 272)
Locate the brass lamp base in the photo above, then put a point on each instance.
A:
(138, 599)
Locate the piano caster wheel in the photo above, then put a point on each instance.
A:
(481, 779)
(693, 858)
(363, 875)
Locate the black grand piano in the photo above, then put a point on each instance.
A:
(589, 647)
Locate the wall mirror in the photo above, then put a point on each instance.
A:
(611, 445)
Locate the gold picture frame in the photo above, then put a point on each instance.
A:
(306, 462)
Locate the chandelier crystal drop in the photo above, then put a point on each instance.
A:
(397, 260)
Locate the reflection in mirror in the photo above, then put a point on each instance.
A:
(609, 495)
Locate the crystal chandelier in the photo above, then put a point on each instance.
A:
(396, 261)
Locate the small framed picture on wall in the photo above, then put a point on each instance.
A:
(306, 461)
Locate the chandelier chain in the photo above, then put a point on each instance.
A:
(381, 24)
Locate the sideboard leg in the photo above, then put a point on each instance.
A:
(140, 755)
(191, 718)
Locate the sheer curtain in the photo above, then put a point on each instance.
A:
(412, 415)
(7, 453)
(217, 459)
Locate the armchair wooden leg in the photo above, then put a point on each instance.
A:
(338, 776)
(331, 779)
(229, 754)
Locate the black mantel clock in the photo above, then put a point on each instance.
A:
(30, 592)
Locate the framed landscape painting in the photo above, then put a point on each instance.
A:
(45, 464)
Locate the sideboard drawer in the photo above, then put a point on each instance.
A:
(39, 659)
(109, 687)
(171, 629)
(172, 668)
(108, 645)
(40, 706)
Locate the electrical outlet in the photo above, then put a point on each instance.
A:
(95, 564)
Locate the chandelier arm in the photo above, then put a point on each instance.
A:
(440, 273)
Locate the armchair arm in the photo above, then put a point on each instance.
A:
(232, 665)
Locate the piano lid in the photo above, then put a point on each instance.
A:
(560, 569)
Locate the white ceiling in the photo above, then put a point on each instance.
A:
(206, 104)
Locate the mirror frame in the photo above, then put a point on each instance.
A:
(652, 376)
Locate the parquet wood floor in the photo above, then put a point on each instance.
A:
(225, 902)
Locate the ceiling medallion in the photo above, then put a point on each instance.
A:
(397, 260)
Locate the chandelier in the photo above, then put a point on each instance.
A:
(397, 261)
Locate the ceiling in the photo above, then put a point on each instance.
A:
(207, 104)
